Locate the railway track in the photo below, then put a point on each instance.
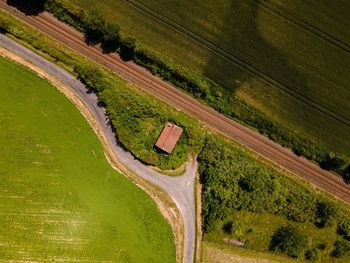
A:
(142, 78)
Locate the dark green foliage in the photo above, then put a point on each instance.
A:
(325, 213)
(344, 228)
(340, 248)
(94, 25)
(321, 246)
(4, 25)
(72, 17)
(288, 240)
(111, 37)
(91, 76)
(332, 162)
(312, 254)
(127, 48)
(200, 87)
(232, 180)
(346, 174)
(228, 228)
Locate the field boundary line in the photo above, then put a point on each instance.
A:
(239, 62)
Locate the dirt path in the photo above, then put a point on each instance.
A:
(173, 195)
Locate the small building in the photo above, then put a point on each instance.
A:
(168, 138)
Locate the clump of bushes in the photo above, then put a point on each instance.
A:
(233, 180)
(288, 240)
(312, 254)
(341, 248)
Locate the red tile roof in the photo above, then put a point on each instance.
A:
(169, 137)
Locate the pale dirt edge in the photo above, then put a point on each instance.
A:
(165, 204)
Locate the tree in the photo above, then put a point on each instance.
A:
(346, 174)
(331, 162)
(288, 240)
(94, 25)
(325, 212)
(340, 248)
(312, 254)
(127, 48)
(344, 229)
(111, 37)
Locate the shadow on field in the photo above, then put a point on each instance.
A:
(28, 7)
(243, 53)
(248, 60)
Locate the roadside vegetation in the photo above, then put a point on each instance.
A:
(246, 200)
(60, 198)
(320, 127)
(243, 197)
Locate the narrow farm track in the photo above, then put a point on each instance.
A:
(229, 56)
(142, 78)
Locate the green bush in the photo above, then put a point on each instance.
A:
(344, 228)
(340, 248)
(288, 240)
(325, 213)
(312, 254)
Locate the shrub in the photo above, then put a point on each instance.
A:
(340, 248)
(228, 228)
(288, 240)
(344, 228)
(312, 254)
(111, 37)
(127, 48)
(325, 213)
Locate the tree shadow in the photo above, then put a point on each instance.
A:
(31, 8)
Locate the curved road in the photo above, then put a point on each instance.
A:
(139, 76)
(180, 188)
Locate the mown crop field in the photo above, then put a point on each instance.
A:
(289, 59)
(59, 198)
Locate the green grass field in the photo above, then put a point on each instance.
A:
(289, 59)
(59, 198)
